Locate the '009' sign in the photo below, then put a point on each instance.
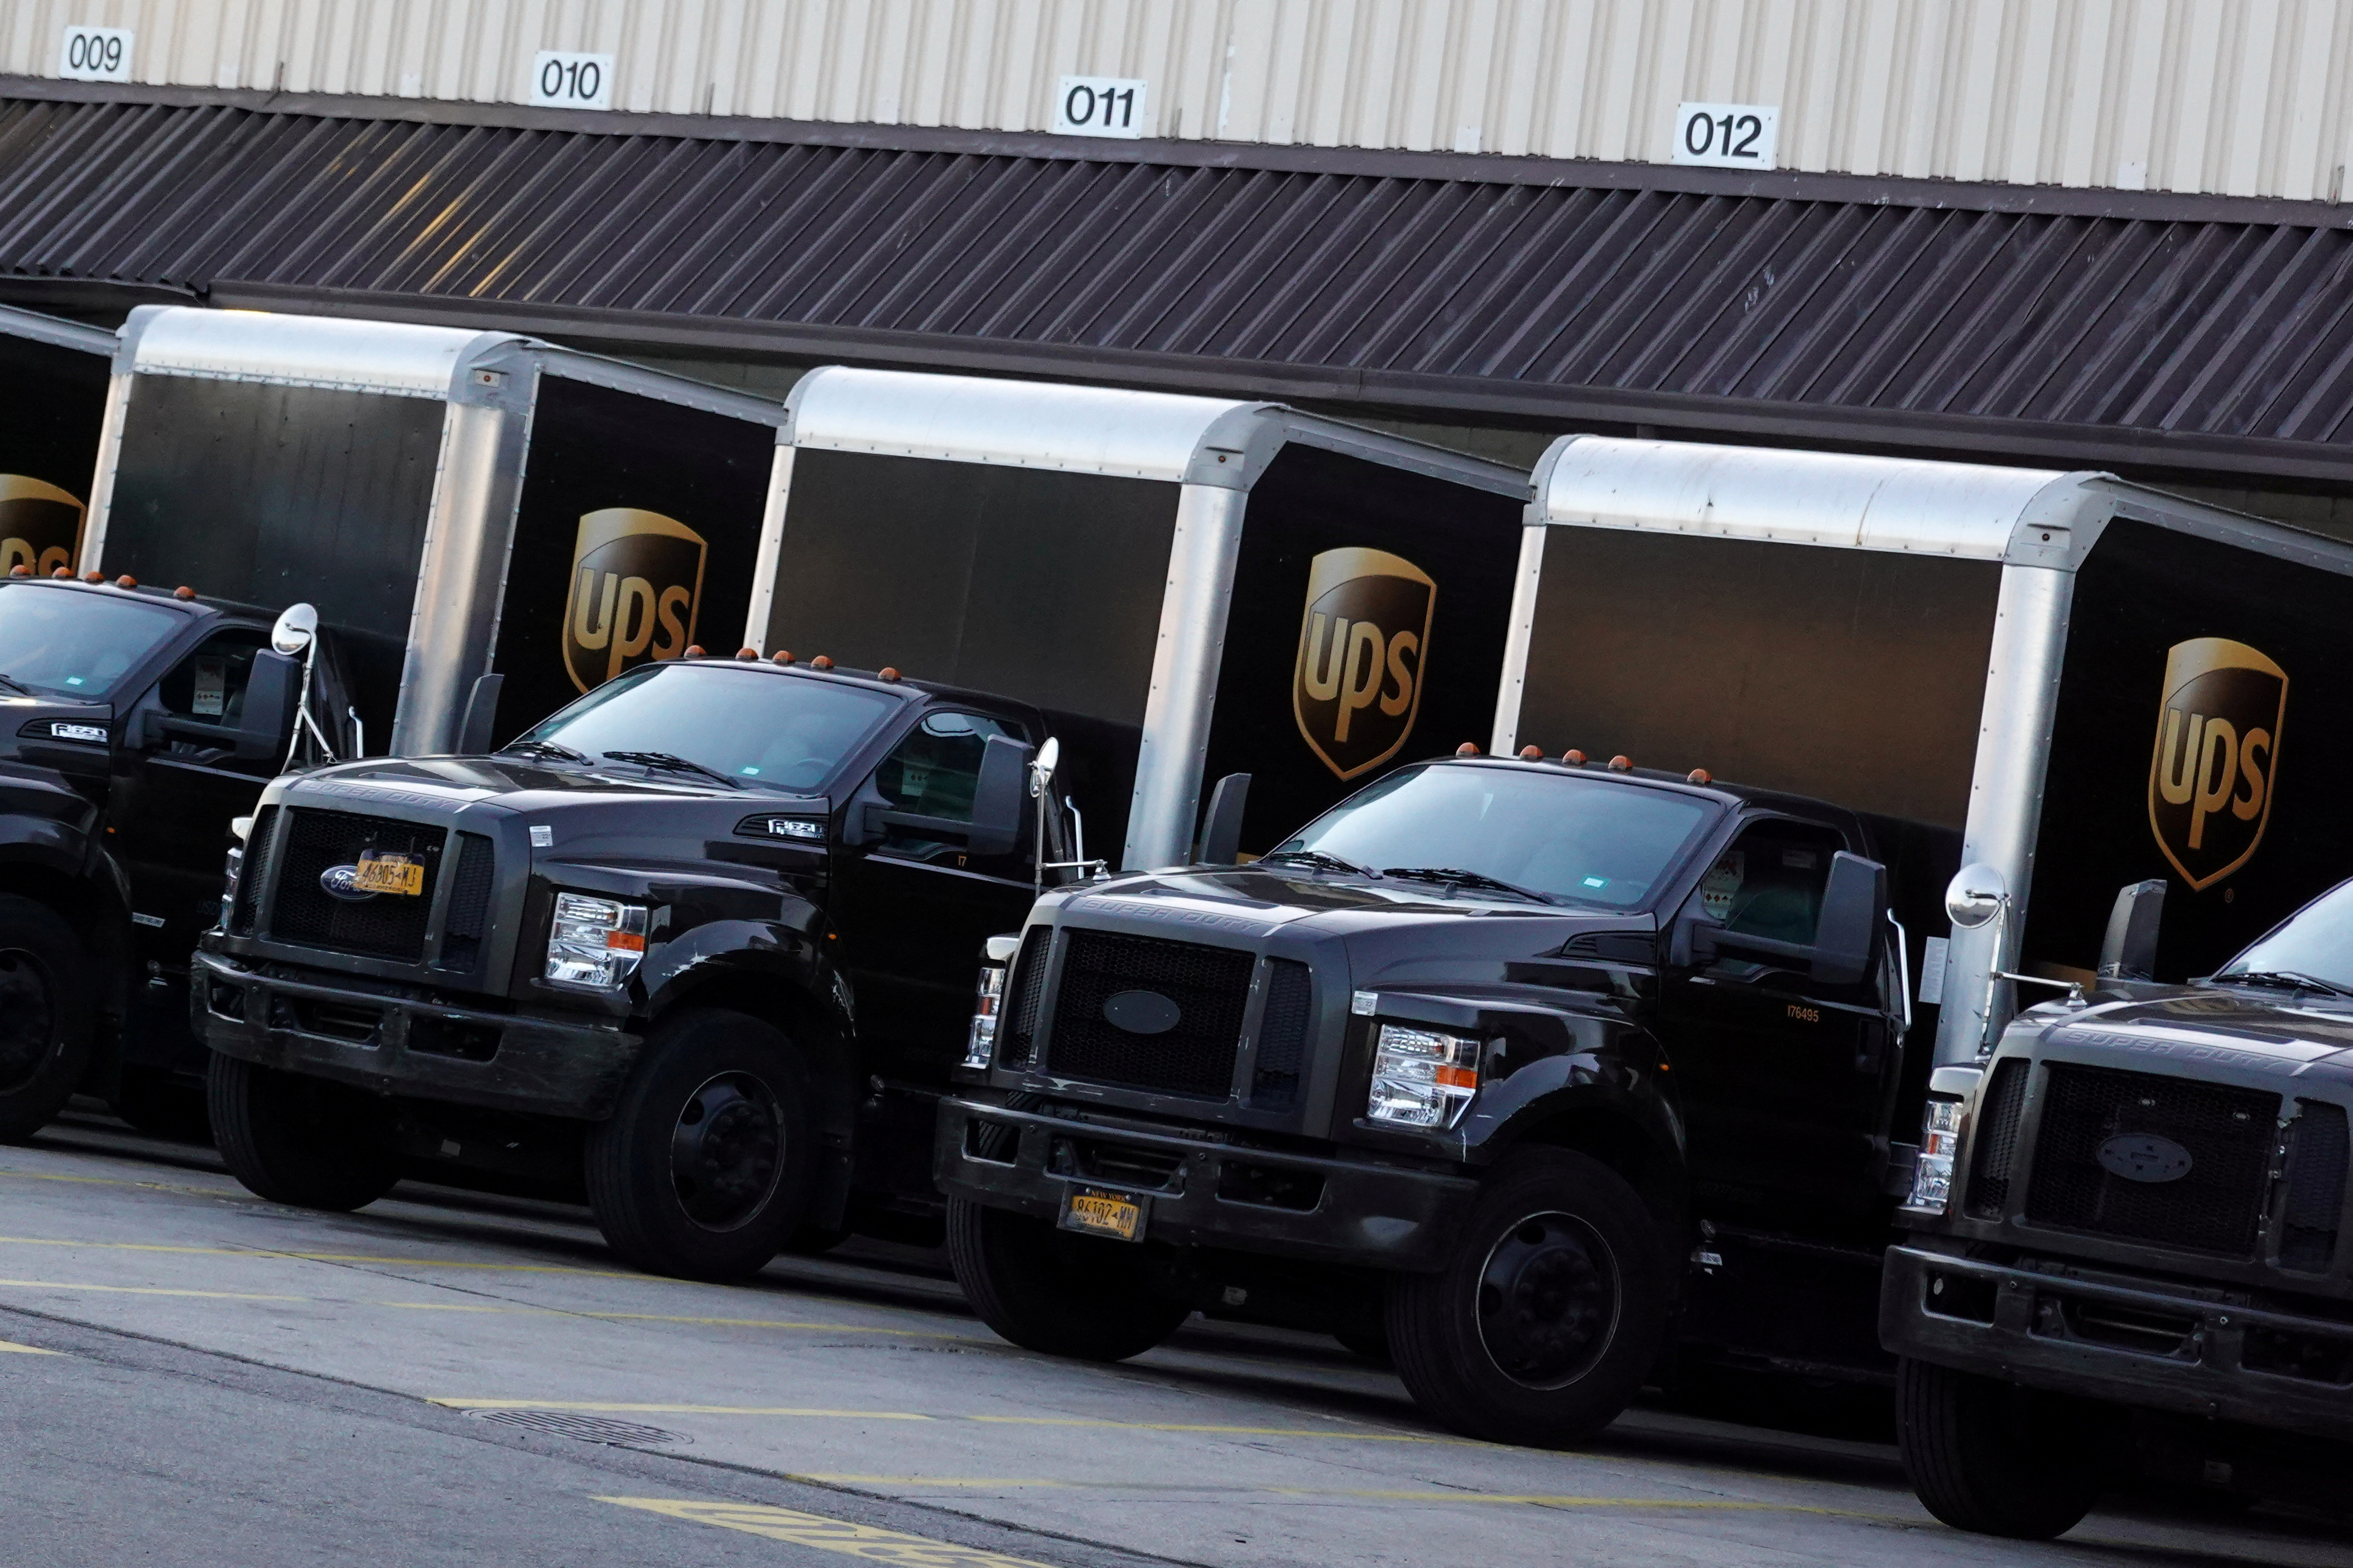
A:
(637, 581)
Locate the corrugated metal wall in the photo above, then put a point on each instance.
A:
(2242, 97)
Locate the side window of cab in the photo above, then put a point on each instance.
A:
(934, 772)
(208, 685)
(1770, 882)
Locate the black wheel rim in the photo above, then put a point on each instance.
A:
(28, 1018)
(1548, 1300)
(727, 1151)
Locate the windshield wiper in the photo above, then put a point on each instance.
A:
(2283, 977)
(673, 763)
(543, 749)
(15, 685)
(1318, 858)
(1454, 876)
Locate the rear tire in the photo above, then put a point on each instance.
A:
(1048, 1291)
(297, 1141)
(706, 1167)
(1991, 1458)
(47, 1022)
(1542, 1327)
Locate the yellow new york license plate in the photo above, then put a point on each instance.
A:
(389, 874)
(1099, 1212)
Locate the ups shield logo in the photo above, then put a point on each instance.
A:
(2217, 730)
(1363, 642)
(40, 526)
(637, 580)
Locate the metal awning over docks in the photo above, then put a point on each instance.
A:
(2162, 334)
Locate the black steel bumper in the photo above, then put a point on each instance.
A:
(398, 1045)
(2146, 1343)
(1380, 1216)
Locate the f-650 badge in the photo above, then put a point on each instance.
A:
(1364, 645)
(2217, 758)
(637, 583)
(41, 525)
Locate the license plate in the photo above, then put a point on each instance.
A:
(389, 874)
(1097, 1211)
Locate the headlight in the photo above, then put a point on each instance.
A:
(595, 941)
(1421, 1077)
(1940, 1140)
(987, 999)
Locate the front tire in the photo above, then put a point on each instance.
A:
(46, 1022)
(1994, 1458)
(1049, 1292)
(1542, 1327)
(706, 1167)
(297, 1141)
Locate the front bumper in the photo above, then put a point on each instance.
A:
(2147, 1343)
(1372, 1216)
(405, 1045)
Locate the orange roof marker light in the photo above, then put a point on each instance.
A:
(1621, 764)
(747, 653)
(1467, 749)
(1531, 753)
(888, 672)
(20, 570)
(1573, 757)
(783, 656)
(126, 581)
(62, 571)
(695, 650)
(821, 662)
(183, 592)
(93, 576)
(1700, 776)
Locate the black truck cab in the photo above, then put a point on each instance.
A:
(2131, 1240)
(135, 726)
(701, 942)
(1503, 1043)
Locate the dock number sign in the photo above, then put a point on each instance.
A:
(2218, 731)
(1727, 135)
(637, 580)
(1363, 639)
(1100, 106)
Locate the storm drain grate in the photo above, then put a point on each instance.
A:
(586, 1428)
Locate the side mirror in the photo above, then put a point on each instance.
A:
(1222, 830)
(271, 690)
(1041, 767)
(1854, 911)
(297, 629)
(996, 796)
(1976, 895)
(2129, 949)
(482, 713)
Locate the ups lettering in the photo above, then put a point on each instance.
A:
(2214, 768)
(636, 579)
(1374, 667)
(1364, 641)
(640, 607)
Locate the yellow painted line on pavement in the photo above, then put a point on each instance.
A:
(268, 1254)
(609, 1407)
(815, 1530)
(1220, 1431)
(1525, 1500)
(680, 1317)
(143, 1290)
(225, 1190)
(10, 1347)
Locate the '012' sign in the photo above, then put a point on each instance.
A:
(1727, 135)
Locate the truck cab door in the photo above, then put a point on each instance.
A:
(175, 788)
(914, 901)
(1781, 1069)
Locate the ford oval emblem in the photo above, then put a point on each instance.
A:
(343, 882)
(1140, 1012)
(2145, 1157)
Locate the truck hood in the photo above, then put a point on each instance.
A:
(2183, 1024)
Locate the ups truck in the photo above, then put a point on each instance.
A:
(699, 946)
(1567, 1072)
(454, 511)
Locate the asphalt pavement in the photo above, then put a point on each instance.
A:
(191, 1375)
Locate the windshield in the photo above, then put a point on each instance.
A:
(782, 731)
(76, 644)
(1577, 841)
(2315, 944)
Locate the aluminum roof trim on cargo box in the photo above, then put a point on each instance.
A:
(40, 328)
(620, 376)
(392, 357)
(1772, 494)
(1014, 424)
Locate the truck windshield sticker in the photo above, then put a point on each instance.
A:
(1723, 882)
(2210, 783)
(636, 585)
(1364, 646)
(210, 699)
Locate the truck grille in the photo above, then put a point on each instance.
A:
(2215, 1207)
(253, 874)
(2317, 1167)
(1209, 985)
(1282, 1034)
(388, 925)
(1996, 1155)
(468, 920)
(1028, 983)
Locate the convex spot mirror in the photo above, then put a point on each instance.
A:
(297, 629)
(1976, 896)
(1042, 766)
